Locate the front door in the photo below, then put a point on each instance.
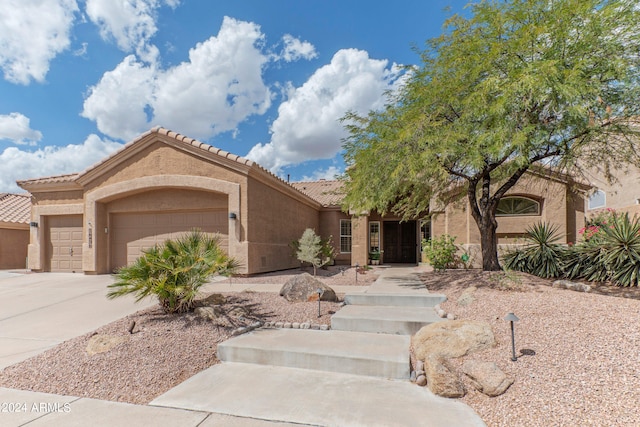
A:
(400, 242)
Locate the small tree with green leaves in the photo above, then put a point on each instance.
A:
(310, 248)
(174, 271)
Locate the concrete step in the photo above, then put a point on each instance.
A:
(383, 319)
(407, 299)
(376, 355)
(308, 397)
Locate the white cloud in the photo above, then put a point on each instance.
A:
(218, 88)
(329, 173)
(32, 33)
(294, 49)
(16, 128)
(308, 126)
(117, 103)
(131, 23)
(51, 160)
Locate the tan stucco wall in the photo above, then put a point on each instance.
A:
(330, 226)
(13, 246)
(275, 220)
(560, 206)
(624, 192)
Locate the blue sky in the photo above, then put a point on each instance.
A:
(262, 79)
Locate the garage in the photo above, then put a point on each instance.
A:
(133, 232)
(65, 243)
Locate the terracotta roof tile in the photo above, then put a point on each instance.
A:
(327, 193)
(51, 179)
(15, 208)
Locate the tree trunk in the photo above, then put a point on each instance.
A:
(489, 244)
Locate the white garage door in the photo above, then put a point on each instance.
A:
(65, 243)
(133, 232)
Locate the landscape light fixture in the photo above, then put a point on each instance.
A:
(357, 268)
(319, 291)
(511, 318)
(232, 215)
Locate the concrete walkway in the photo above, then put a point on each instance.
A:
(238, 394)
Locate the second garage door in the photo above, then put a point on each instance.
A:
(65, 237)
(133, 232)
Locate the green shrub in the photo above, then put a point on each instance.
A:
(174, 271)
(541, 255)
(440, 251)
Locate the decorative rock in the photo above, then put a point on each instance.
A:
(279, 324)
(255, 325)
(287, 325)
(442, 313)
(486, 377)
(467, 297)
(207, 313)
(419, 365)
(132, 326)
(451, 316)
(302, 287)
(420, 372)
(237, 312)
(421, 381)
(440, 379)
(295, 325)
(324, 327)
(315, 326)
(305, 325)
(455, 338)
(103, 343)
(213, 299)
(437, 307)
(413, 376)
(574, 286)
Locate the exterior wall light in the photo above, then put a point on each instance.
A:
(33, 224)
(232, 215)
(511, 318)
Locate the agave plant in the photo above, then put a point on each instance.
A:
(541, 255)
(622, 257)
(174, 271)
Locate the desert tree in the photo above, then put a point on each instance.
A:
(508, 87)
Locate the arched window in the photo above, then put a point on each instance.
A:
(509, 206)
(598, 200)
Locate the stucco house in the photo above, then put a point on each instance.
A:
(622, 194)
(14, 229)
(162, 184)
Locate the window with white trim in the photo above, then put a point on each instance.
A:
(374, 236)
(345, 236)
(597, 200)
(514, 206)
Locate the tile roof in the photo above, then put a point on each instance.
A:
(55, 179)
(15, 208)
(327, 193)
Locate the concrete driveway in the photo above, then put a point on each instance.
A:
(40, 310)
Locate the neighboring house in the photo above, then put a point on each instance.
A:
(14, 230)
(163, 184)
(622, 194)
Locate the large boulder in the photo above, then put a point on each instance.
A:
(486, 377)
(454, 338)
(303, 287)
(440, 378)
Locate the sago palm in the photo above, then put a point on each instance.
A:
(174, 271)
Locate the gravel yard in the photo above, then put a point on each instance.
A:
(578, 352)
(164, 349)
